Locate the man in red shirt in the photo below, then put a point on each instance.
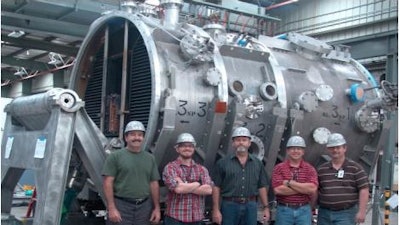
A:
(188, 183)
(294, 181)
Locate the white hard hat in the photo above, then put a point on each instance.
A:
(241, 132)
(335, 139)
(134, 125)
(185, 137)
(296, 141)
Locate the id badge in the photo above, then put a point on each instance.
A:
(340, 174)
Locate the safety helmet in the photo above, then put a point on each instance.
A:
(134, 125)
(241, 132)
(335, 139)
(296, 141)
(185, 137)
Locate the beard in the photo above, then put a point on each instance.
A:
(186, 157)
(241, 149)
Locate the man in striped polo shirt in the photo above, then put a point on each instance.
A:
(294, 181)
(343, 184)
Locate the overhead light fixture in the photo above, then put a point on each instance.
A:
(16, 34)
(55, 59)
(21, 71)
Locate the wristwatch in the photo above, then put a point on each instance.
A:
(265, 207)
(288, 183)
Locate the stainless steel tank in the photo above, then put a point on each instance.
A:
(177, 77)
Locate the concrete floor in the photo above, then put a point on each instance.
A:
(19, 212)
(393, 218)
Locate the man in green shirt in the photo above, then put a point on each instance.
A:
(131, 180)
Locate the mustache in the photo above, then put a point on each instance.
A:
(241, 148)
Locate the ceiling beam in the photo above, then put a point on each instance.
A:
(28, 64)
(7, 75)
(237, 11)
(273, 6)
(48, 26)
(374, 46)
(90, 6)
(40, 45)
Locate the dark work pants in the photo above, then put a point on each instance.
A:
(133, 214)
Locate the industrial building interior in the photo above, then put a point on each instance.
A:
(36, 33)
(40, 41)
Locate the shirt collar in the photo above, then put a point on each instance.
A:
(344, 165)
(250, 157)
(179, 162)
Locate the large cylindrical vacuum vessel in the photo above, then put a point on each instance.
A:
(177, 77)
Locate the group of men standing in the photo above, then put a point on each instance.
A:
(340, 187)
(238, 185)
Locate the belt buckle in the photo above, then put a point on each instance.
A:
(298, 205)
(242, 200)
(138, 201)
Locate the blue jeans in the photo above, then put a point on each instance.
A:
(293, 216)
(342, 217)
(234, 213)
(171, 221)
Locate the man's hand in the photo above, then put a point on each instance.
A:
(217, 216)
(360, 217)
(114, 216)
(178, 179)
(266, 215)
(155, 216)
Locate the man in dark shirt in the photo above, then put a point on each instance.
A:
(343, 184)
(294, 181)
(239, 178)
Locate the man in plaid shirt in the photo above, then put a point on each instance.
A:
(188, 184)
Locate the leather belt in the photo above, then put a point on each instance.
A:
(293, 205)
(337, 208)
(135, 201)
(241, 200)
